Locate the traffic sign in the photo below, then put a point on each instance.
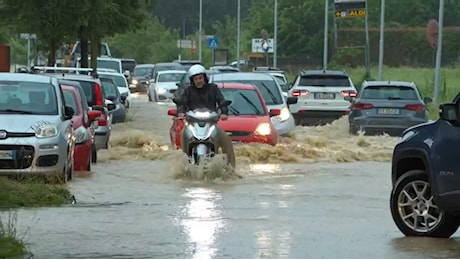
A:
(350, 8)
(213, 43)
(257, 45)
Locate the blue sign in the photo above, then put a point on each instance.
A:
(213, 43)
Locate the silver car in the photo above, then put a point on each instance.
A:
(36, 135)
(271, 92)
(164, 85)
(387, 107)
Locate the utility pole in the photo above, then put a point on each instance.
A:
(438, 53)
(275, 34)
(382, 31)
(201, 31)
(326, 26)
(238, 35)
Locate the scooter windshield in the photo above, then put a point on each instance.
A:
(201, 115)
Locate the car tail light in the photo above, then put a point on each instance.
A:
(361, 106)
(98, 95)
(102, 120)
(346, 93)
(415, 107)
(298, 93)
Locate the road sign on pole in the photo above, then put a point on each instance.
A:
(350, 8)
(213, 43)
(258, 45)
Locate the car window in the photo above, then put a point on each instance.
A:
(142, 72)
(170, 77)
(389, 92)
(280, 78)
(70, 100)
(33, 97)
(128, 65)
(109, 87)
(324, 81)
(109, 64)
(244, 102)
(119, 80)
(88, 88)
(268, 88)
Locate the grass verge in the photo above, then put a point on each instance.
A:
(31, 194)
(10, 245)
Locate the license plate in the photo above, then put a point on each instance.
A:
(324, 96)
(7, 155)
(389, 111)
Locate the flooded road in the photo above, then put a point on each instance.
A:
(132, 206)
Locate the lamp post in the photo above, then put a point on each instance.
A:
(382, 29)
(200, 29)
(275, 34)
(238, 35)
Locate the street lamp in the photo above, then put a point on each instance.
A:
(238, 35)
(200, 29)
(275, 34)
(382, 29)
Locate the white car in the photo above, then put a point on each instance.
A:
(164, 85)
(321, 95)
(121, 83)
(271, 92)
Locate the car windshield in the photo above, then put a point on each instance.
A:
(324, 81)
(389, 93)
(142, 72)
(109, 64)
(109, 88)
(170, 77)
(71, 100)
(119, 80)
(244, 102)
(28, 98)
(128, 65)
(268, 88)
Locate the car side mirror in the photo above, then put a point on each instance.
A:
(275, 112)
(94, 114)
(172, 112)
(291, 100)
(111, 98)
(68, 112)
(448, 112)
(111, 107)
(178, 85)
(427, 100)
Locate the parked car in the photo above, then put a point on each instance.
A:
(122, 85)
(107, 63)
(139, 81)
(165, 84)
(112, 94)
(36, 136)
(425, 194)
(166, 66)
(387, 107)
(81, 123)
(95, 97)
(321, 96)
(224, 69)
(271, 92)
(85, 111)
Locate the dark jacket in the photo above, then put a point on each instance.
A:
(209, 96)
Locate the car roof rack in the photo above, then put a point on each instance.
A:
(89, 71)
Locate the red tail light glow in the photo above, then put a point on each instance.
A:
(298, 93)
(102, 120)
(98, 94)
(361, 106)
(415, 107)
(346, 93)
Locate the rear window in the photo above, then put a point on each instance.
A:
(170, 77)
(389, 92)
(244, 102)
(128, 65)
(88, 88)
(70, 100)
(142, 72)
(109, 88)
(109, 64)
(324, 81)
(268, 88)
(119, 80)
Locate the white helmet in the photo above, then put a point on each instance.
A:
(195, 70)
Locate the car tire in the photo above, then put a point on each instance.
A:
(155, 97)
(416, 181)
(93, 154)
(353, 130)
(150, 96)
(69, 170)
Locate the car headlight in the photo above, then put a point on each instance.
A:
(134, 81)
(81, 135)
(284, 115)
(263, 129)
(46, 131)
(161, 90)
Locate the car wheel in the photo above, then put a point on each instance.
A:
(63, 177)
(70, 171)
(155, 96)
(93, 153)
(414, 211)
(149, 95)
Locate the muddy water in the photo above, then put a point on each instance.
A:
(132, 207)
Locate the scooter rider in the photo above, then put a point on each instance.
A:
(202, 94)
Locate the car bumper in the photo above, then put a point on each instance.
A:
(268, 139)
(284, 127)
(31, 156)
(390, 126)
(82, 156)
(101, 140)
(140, 87)
(165, 96)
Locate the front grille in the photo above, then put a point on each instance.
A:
(5, 134)
(238, 133)
(23, 156)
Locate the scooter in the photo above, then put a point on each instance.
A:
(200, 133)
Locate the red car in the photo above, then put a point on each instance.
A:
(81, 124)
(249, 119)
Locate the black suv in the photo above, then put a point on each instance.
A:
(425, 198)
